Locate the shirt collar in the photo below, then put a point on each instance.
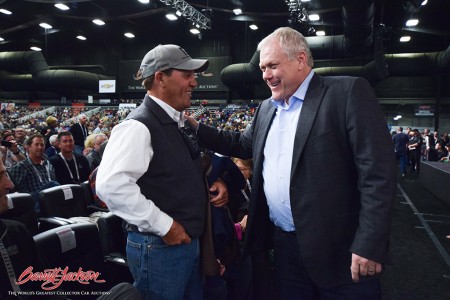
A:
(172, 112)
(299, 94)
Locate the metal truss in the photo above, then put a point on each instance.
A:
(189, 12)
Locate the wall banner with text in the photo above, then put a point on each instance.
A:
(208, 80)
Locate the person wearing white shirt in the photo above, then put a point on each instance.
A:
(151, 176)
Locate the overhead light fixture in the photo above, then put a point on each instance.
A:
(98, 22)
(306, 0)
(35, 48)
(412, 22)
(45, 25)
(178, 13)
(189, 12)
(314, 17)
(195, 31)
(253, 27)
(1, 39)
(320, 33)
(129, 35)
(405, 39)
(144, 1)
(398, 117)
(424, 3)
(5, 11)
(237, 11)
(80, 37)
(61, 6)
(171, 17)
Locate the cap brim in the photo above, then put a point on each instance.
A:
(197, 65)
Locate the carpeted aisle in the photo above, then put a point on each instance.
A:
(419, 270)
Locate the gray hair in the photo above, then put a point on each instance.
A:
(100, 135)
(291, 41)
(52, 139)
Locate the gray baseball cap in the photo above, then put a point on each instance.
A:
(164, 57)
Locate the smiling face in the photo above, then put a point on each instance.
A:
(176, 88)
(36, 148)
(282, 75)
(66, 144)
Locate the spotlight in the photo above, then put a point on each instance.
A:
(171, 17)
(237, 11)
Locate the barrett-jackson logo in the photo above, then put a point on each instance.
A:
(53, 278)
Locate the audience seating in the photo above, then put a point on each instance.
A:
(113, 240)
(23, 210)
(92, 207)
(77, 248)
(63, 201)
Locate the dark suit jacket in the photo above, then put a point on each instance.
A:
(77, 134)
(343, 178)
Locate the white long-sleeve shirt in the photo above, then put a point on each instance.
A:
(126, 158)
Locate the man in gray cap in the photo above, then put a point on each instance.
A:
(151, 177)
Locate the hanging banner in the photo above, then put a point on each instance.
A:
(424, 110)
(207, 81)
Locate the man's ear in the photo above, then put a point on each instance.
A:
(159, 78)
(301, 58)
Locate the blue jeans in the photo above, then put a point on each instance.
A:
(295, 283)
(402, 160)
(164, 272)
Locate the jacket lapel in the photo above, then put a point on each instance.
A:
(311, 104)
(266, 115)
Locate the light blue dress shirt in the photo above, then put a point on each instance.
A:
(278, 152)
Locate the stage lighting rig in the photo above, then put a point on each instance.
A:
(298, 17)
(187, 11)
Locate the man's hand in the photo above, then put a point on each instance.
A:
(176, 235)
(219, 193)
(363, 266)
(14, 147)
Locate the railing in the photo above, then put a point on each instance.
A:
(41, 113)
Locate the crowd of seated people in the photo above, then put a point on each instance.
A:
(43, 153)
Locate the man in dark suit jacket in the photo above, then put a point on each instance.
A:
(79, 132)
(324, 176)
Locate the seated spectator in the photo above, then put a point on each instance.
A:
(88, 144)
(99, 128)
(70, 168)
(53, 149)
(94, 157)
(49, 130)
(18, 246)
(35, 173)
(20, 135)
(11, 154)
(93, 176)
